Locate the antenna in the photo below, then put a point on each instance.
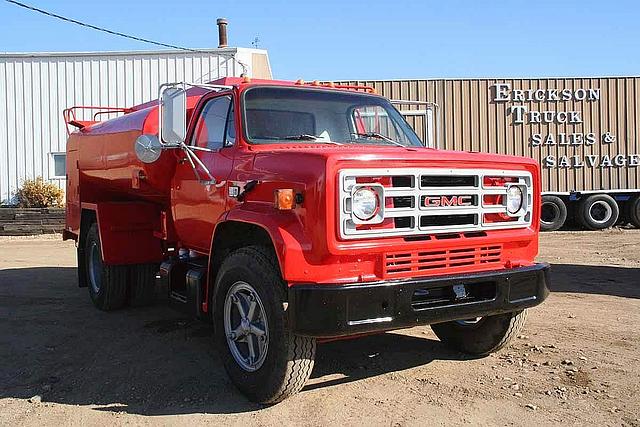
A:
(255, 42)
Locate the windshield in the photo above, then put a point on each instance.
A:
(276, 114)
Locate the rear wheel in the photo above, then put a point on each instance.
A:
(633, 211)
(262, 357)
(142, 284)
(553, 213)
(107, 283)
(482, 335)
(598, 212)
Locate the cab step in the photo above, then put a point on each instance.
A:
(185, 280)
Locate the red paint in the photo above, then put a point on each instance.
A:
(106, 176)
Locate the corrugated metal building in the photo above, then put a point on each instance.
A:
(36, 87)
(583, 131)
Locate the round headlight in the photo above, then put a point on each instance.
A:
(365, 203)
(514, 199)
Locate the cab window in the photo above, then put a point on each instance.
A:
(231, 128)
(212, 124)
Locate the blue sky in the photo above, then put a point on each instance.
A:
(360, 39)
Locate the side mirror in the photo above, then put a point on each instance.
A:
(173, 115)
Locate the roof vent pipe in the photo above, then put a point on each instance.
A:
(222, 32)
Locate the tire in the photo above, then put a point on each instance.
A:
(282, 365)
(633, 211)
(598, 212)
(553, 213)
(481, 337)
(107, 283)
(142, 284)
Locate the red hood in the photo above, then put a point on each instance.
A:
(391, 155)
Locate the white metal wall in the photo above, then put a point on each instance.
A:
(35, 88)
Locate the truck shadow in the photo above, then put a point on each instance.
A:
(147, 361)
(374, 355)
(596, 279)
(153, 361)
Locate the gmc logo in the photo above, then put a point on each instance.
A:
(437, 201)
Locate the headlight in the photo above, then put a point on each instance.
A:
(365, 204)
(515, 199)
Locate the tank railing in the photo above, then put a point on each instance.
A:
(428, 104)
(70, 117)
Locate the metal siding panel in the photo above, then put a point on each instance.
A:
(19, 122)
(11, 141)
(474, 115)
(45, 109)
(36, 133)
(27, 120)
(633, 147)
(621, 140)
(4, 139)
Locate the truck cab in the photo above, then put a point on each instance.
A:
(288, 213)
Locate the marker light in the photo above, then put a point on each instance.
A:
(284, 199)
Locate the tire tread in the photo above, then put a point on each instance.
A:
(488, 337)
(300, 350)
(114, 280)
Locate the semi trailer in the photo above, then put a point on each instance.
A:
(290, 213)
(584, 132)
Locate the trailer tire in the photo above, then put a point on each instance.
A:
(142, 284)
(553, 213)
(598, 211)
(279, 367)
(107, 283)
(482, 336)
(633, 211)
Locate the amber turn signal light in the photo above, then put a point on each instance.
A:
(284, 199)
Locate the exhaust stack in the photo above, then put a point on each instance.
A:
(222, 32)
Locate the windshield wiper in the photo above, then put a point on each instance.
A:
(301, 137)
(380, 136)
(307, 137)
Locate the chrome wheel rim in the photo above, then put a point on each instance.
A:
(600, 212)
(95, 267)
(469, 322)
(245, 326)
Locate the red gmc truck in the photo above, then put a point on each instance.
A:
(288, 213)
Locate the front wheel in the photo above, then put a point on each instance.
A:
(482, 335)
(263, 358)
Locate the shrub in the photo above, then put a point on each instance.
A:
(38, 193)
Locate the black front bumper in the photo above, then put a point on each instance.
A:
(340, 310)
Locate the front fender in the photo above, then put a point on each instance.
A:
(286, 232)
(303, 257)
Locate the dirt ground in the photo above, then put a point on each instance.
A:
(577, 362)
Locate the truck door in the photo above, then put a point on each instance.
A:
(197, 205)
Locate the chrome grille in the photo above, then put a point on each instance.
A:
(412, 200)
